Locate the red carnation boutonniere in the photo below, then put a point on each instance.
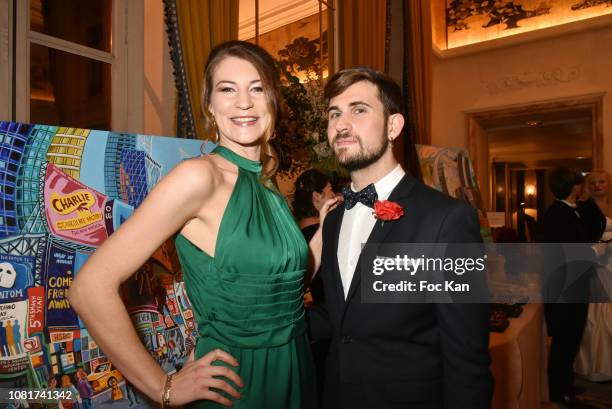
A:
(386, 210)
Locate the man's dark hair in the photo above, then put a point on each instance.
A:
(389, 93)
(562, 180)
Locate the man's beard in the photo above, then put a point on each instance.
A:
(362, 159)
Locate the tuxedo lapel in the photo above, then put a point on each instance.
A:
(381, 230)
(335, 220)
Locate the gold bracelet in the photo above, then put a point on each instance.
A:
(166, 394)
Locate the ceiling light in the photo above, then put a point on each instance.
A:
(534, 122)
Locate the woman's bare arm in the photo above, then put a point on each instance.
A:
(95, 292)
(316, 242)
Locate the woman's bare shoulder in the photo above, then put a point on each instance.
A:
(198, 175)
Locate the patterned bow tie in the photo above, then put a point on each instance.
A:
(367, 196)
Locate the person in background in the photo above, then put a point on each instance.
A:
(388, 355)
(594, 360)
(116, 392)
(567, 288)
(131, 392)
(594, 204)
(312, 189)
(84, 388)
(3, 344)
(10, 338)
(17, 337)
(76, 400)
(52, 384)
(243, 257)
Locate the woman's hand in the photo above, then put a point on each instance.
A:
(316, 242)
(195, 380)
(328, 206)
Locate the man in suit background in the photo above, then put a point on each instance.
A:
(384, 356)
(567, 285)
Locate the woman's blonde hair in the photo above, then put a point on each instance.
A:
(270, 78)
(592, 175)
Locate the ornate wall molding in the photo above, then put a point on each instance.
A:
(278, 13)
(530, 79)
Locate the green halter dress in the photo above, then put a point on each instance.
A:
(248, 298)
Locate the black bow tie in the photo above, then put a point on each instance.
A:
(367, 196)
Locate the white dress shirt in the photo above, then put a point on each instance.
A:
(572, 205)
(357, 224)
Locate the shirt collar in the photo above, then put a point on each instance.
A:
(387, 183)
(572, 205)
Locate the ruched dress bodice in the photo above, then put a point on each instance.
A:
(248, 298)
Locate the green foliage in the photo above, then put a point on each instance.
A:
(302, 129)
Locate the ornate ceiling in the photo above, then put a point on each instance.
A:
(466, 22)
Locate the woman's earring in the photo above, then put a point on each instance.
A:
(214, 124)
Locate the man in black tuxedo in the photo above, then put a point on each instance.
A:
(566, 289)
(385, 356)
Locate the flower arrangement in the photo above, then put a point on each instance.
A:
(302, 129)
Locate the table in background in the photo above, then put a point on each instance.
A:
(519, 360)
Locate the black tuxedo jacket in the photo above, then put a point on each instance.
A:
(564, 224)
(408, 356)
(593, 219)
(570, 281)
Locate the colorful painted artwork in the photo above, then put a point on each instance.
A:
(473, 21)
(63, 191)
(450, 170)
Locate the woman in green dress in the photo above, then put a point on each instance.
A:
(244, 259)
